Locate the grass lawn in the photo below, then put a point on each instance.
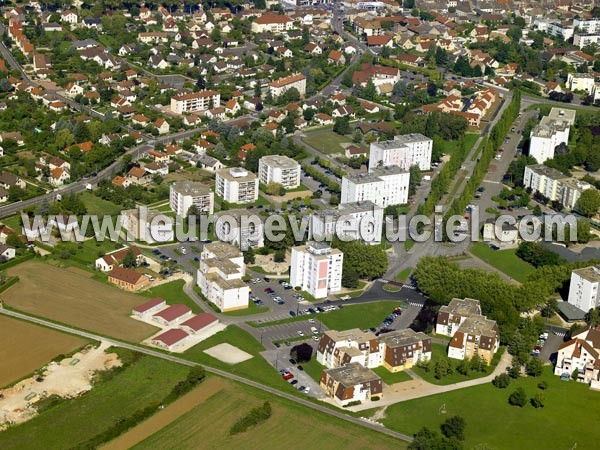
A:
(327, 142)
(391, 288)
(359, 316)
(86, 252)
(408, 245)
(491, 420)
(451, 146)
(290, 426)
(391, 378)
(144, 382)
(173, 293)
(97, 206)
(313, 368)
(504, 260)
(404, 274)
(439, 352)
(256, 368)
(13, 222)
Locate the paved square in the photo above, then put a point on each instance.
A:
(227, 353)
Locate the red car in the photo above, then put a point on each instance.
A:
(288, 376)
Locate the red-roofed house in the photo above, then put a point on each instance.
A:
(170, 339)
(198, 323)
(108, 262)
(127, 279)
(148, 308)
(172, 315)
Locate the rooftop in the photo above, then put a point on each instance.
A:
(353, 334)
(479, 326)
(462, 307)
(236, 174)
(352, 374)
(591, 273)
(279, 161)
(403, 337)
(375, 175)
(193, 188)
(223, 250)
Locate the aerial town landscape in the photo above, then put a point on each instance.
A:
(280, 223)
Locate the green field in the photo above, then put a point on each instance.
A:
(256, 368)
(491, 420)
(504, 260)
(70, 423)
(173, 293)
(365, 315)
(391, 378)
(440, 352)
(97, 206)
(404, 274)
(291, 426)
(327, 142)
(86, 252)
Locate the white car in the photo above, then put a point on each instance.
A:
(312, 321)
(300, 333)
(315, 338)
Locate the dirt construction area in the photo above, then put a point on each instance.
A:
(26, 347)
(74, 299)
(68, 378)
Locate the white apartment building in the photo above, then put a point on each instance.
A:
(552, 131)
(317, 269)
(220, 276)
(283, 85)
(354, 221)
(554, 185)
(450, 317)
(591, 25)
(581, 353)
(583, 40)
(197, 101)
(236, 185)
(184, 194)
(274, 23)
(383, 186)
(279, 169)
(581, 82)
(583, 290)
(560, 30)
(147, 225)
(402, 151)
(351, 383)
(240, 228)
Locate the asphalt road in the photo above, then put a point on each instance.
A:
(175, 359)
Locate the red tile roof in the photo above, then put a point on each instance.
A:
(171, 336)
(148, 305)
(173, 312)
(200, 321)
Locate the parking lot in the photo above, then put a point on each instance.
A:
(292, 330)
(279, 358)
(278, 299)
(176, 253)
(548, 351)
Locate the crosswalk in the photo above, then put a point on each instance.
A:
(410, 286)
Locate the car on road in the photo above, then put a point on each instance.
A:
(300, 333)
(294, 382)
(277, 344)
(312, 321)
(315, 338)
(314, 330)
(156, 251)
(288, 376)
(292, 361)
(292, 313)
(300, 368)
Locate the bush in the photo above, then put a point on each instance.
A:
(454, 427)
(518, 398)
(534, 367)
(354, 403)
(537, 401)
(501, 381)
(256, 416)
(279, 256)
(375, 398)
(543, 385)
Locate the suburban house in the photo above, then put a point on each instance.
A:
(582, 354)
(127, 279)
(6, 252)
(109, 261)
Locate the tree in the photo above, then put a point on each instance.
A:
(441, 369)
(501, 381)
(454, 427)
(342, 125)
(514, 33)
(518, 398)
(534, 367)
(350, 278)
(369, 92)
(129, 260)
(249, 257)
(275, 189)
(537, 401)
(589, 202)
(279, 256)
(414, 180)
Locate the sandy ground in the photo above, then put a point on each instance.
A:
(164, 417)
(267, 263)
(68, 379)
(227, 353)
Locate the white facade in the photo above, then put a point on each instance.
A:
(403, 151)
(383, 186)
(554, 185)
(147, 225)
(583, 40)
(317, 269)
(565, 32)
(236, 185)
(184, 194)
(354, 221)
(552, 131)
(364, 344)
(240, 228)
(279, 169)
(591, 25)
(581, 82)
(583, 291)
(283, 85)
(220, 276)
(198, 101)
